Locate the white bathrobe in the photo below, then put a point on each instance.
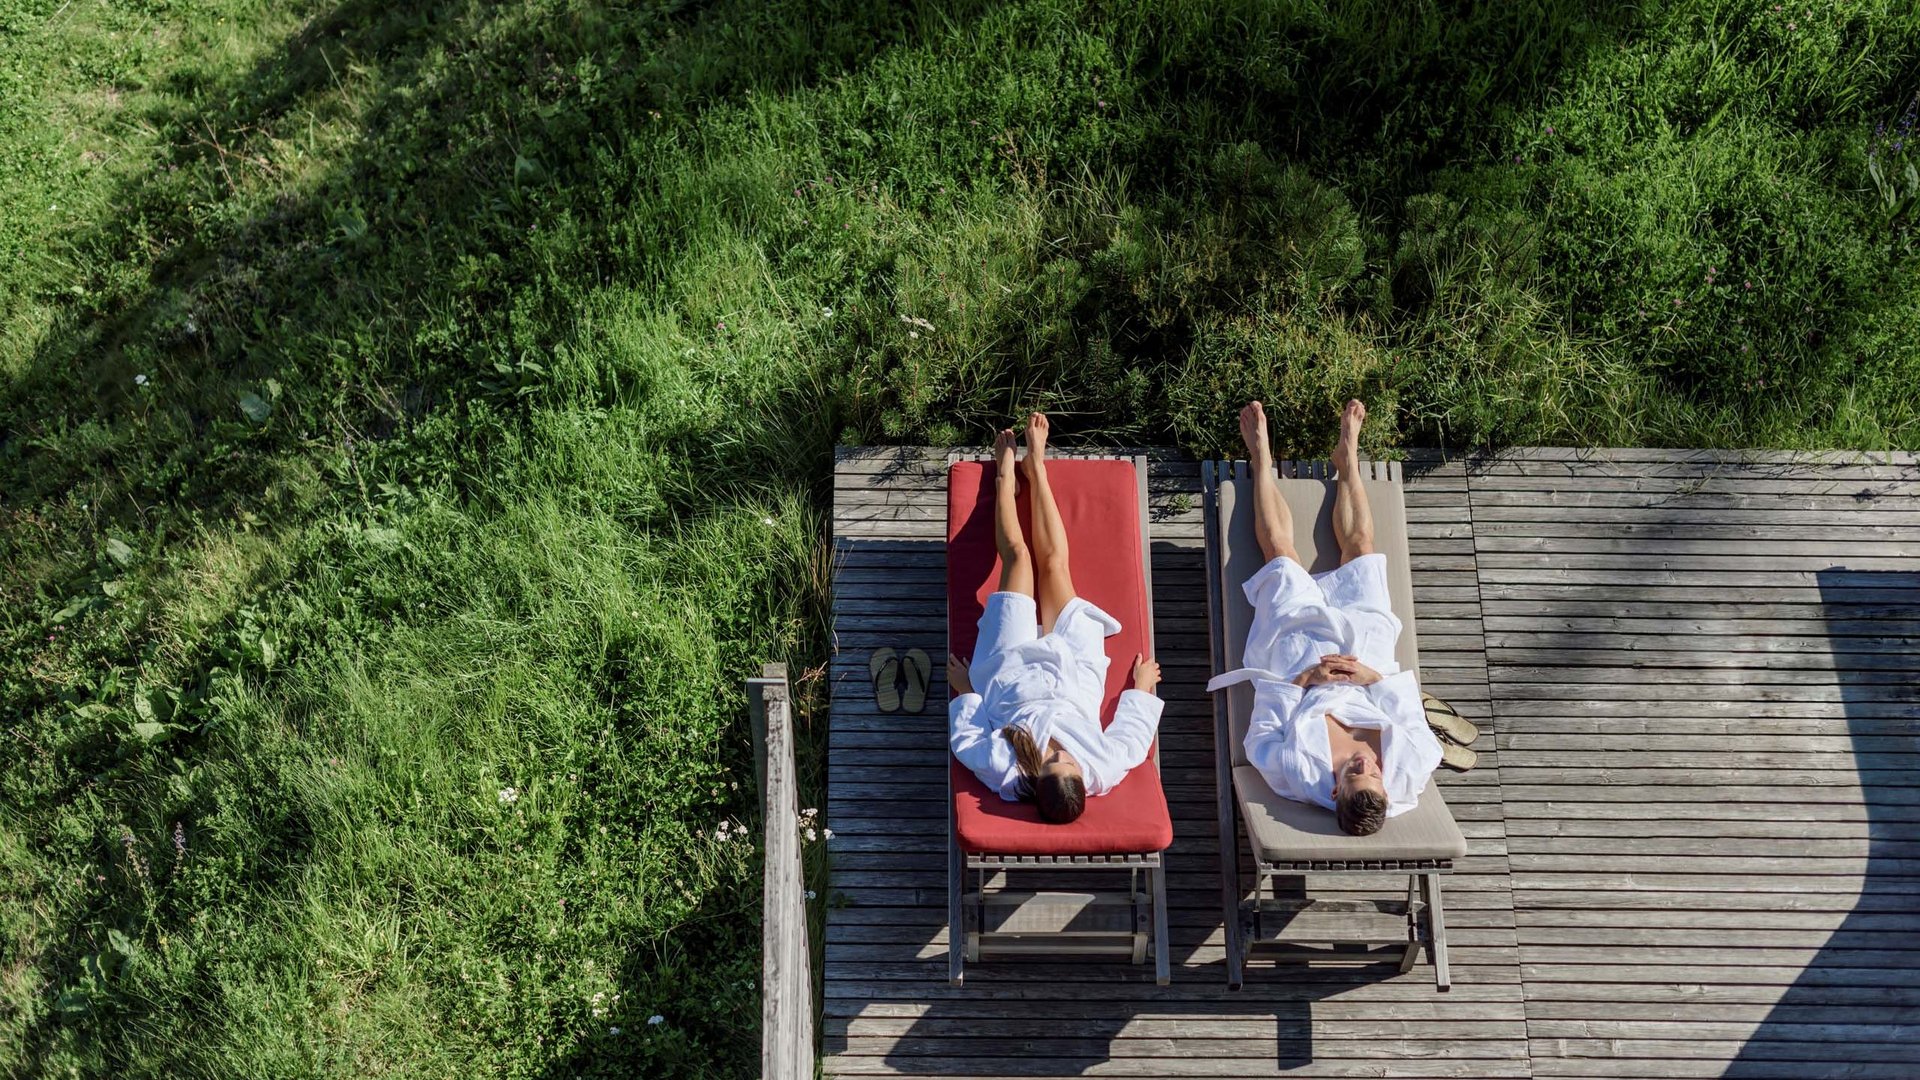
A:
(1298, 618)
(1052, 686)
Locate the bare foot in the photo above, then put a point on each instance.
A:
(1253, 429)
(1351, 418)
(1037, 428)
(1005, 446)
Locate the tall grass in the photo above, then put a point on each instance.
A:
(415, 419)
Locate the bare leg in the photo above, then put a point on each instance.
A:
(1054, 579)
(1016, 565)
(1352, 518)
(1272, 521)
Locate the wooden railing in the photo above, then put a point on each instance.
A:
(786, 975)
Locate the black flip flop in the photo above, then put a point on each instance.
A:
(884, 666)
(919, 672)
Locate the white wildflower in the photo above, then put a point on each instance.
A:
(826, 313)
(140, 380)
(809, 894)
(613, 1031)
(656, 1018)
(811, 835)
(829, 834)
(509, 796)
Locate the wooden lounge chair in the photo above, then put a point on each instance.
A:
(1287, 838)
(1103, 504)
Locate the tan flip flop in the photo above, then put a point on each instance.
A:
(1457, 758)
(919, 671)
(884, 666)
(1447, 722)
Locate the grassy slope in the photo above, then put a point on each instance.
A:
(401, 404)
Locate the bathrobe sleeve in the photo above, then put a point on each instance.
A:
(1415, 749)
(976, 745)
(1274, 703)
(1135, 720)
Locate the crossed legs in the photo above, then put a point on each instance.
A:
(1273, 522)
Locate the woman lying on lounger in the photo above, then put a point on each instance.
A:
(1335, 721)
(1033, 730)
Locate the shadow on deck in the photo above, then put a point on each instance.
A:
(1857, 996)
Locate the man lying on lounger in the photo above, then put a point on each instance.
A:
(1335, 721)
(1032, 731)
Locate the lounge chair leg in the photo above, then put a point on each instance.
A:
(956, 917)
(1231, 891)
(1162, 963)
(1437, 923)
(1412, 954)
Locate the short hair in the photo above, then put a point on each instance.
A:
(1360, 811)
(1061, 798)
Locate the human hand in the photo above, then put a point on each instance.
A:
(1351, 669)
(1146, 673)
(957, 677)
(1327, 669)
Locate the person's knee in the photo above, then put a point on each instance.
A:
(1053, 561)
(1282, 551)
(1015, 551)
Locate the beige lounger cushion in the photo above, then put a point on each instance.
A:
(1286, 831)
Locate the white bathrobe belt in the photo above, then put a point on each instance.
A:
(1245, 674)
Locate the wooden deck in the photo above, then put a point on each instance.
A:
(1694, 839)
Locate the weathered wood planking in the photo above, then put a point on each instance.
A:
(1709, 762)
(888, 1009)
(1694, 836)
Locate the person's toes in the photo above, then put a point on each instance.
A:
(1036, 438)
(1253, 426)
(1351, 419)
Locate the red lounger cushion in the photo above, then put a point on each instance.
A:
(1100, 504)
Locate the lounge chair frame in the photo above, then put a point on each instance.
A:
(1005, 922)
(1246, 919)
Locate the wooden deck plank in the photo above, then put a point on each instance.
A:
(1708, 745)
(1691, 841)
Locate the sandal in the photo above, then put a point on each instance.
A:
(919, 671)
(884, 666)
(1447, 722)
(1457, 758)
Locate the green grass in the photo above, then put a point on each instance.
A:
(401, 404)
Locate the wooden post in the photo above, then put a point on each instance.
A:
(771, 676)
(786, 1013)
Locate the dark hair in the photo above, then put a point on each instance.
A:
(1060, 798)
(1360, 811)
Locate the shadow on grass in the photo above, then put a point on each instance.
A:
(1850, 1011)
(357, 293)
(384, 291)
